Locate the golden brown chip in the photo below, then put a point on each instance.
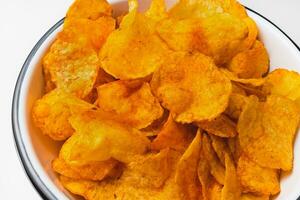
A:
(216, 168)
(96, 31)
(274, 148)
(215, 191)
(254, 197)
(72, 66)
(283, 82)
(186, 171)
(204, 176)
(99, 138)
(130, 99)
(235, 105)
(252, 63)
(220, 146)
(173, 135)
(256, 179)
(221, 126)
(133, 50)
(51, 113)
(231, 189)
(89, 9)
(186, 83)
(95, 171)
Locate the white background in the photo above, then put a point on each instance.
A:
(23, 22)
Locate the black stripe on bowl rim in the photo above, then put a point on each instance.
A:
(33, 176)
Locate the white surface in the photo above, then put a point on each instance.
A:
(23, 23)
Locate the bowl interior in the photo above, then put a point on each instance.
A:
(41, 150)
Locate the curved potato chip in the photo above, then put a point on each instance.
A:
(256, 179)
(254, 197)
(215, 191)
(173, 135)
(96, 31)
(216, 168)
(52, 112)
(72, 66)
(221, 126)
(132, 100)
(95, 171)
(99, 138)
(252, 34)
(220, 146)
(251, 81)
(252, 63)
(134, 50)
(186, 171)
(235, 105)
(184, 85)
(204, 176)
(273, 149)
(89, 9)
(283, 82)
(231, 189)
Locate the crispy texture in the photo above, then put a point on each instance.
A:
(221, 126)
(220, 146)
(253, 63)
(235, 105)
(98, 138)
(183, 85)
(254, 197)
(186, 171)
(256, 179)
(131, 99)
(89, 9)
(52, 112)
(173, 135)
(274, 149)
(133, 50)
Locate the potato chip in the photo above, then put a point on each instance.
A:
(132, 100)
(283, 82)
(216, 168)
(99, 138)
(251, 81)
(253, 90)
(51, 113)
(221, 126)
(186, 83)
(252, 63)
(95, 171)
(72, 66)
(89, 9)
(133, 50)
(254, 197)
(215, 191)
(186, 171)
(235, 105)
(173, 135)
(274, 149)
(235, 148)
(96, 31)
(231, 189)
(204, 176)
(256, 179)
(200, 35)
(221, 147)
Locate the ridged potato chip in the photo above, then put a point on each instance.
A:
(133, 50)
(184, 86)
(89, 9)
(173, 135)
(257, 179)
(99, 138)
(131, 99)
(52, 112)
(221, 126)
(252, 63)
(186, 171)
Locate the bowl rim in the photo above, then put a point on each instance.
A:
(31, 173)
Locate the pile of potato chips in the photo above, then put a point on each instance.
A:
(167, 104)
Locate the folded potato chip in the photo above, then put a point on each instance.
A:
(274, 148)
(133, 50)
(252, 63)
(99, 138)
(184, 86)
(221, 126)
(256, 179)
(186, 175)
(173, 135)
(52, 112)
(89, 9)
(131, 99)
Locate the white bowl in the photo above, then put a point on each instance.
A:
(36, 151)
